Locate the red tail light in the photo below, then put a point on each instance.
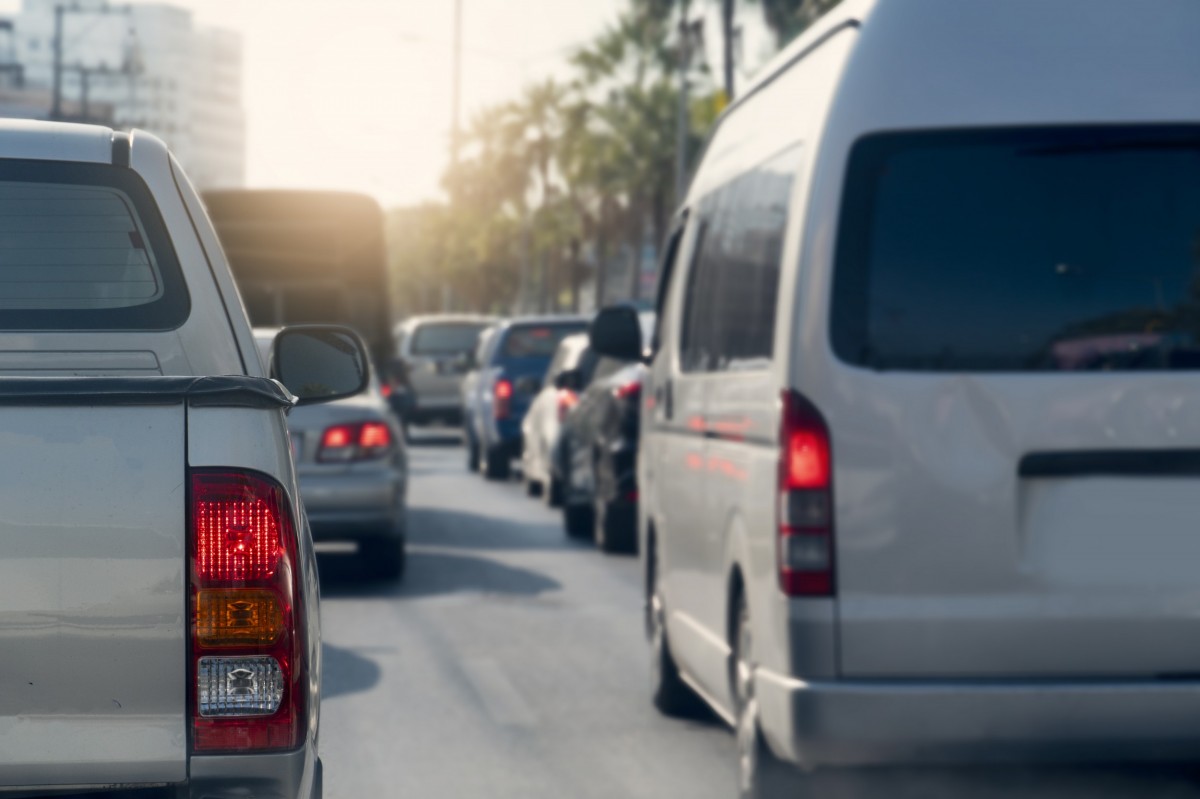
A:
(385, 390)
(502, 393)
(359, 441)
(806, 545)
(567, 399)
(247, 673)
(630, 391)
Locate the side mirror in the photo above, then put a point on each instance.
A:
(320, 363)
(616, 333)
(570, 379)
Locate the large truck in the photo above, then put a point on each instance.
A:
(308, 257)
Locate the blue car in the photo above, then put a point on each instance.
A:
(511, 363)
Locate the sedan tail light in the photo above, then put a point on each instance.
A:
(502, 394)
(806, 545)
(629, 391)
(359, 441)
(247, 665)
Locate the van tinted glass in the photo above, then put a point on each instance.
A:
(729, 316)
(82, 246)
(1029, 250)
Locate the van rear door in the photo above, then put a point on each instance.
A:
(1016, 406)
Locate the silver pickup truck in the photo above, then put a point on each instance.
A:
(159, 619)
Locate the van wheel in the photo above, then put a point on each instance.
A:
(577, 520)
(472, 454)
(496, 466)
(761, 775)
(533, 488)
(384, 558)
(670, 694)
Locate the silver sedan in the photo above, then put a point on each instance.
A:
(352, 467)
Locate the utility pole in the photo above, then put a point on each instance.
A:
(682, 119)
(727, 34)
(56, 97)
(456, 91)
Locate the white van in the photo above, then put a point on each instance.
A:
(920, 472)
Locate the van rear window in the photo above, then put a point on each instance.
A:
(82, 246)
(1054, 249)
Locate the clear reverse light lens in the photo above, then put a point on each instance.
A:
(239, 686)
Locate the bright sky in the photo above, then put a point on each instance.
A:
(355, 94)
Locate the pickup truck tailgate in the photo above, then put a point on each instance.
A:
(92, 594)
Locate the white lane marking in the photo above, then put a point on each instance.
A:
(503, 703)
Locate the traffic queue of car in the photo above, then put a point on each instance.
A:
(531, 394)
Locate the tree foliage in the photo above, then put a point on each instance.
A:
(568, 181)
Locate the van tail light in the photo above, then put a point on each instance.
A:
(806, 545)
(567, 399)
(386, 390)
(502, 393)
(247, 674)
(629, 391)
(360, 441)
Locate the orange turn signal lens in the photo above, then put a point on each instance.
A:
(238, 617)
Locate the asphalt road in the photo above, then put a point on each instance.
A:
(510, 662)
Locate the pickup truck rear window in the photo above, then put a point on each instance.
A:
(82, 246)
(1030, 250)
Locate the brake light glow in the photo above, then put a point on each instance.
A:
(359, 441)
(567, 399)
(385, 390)
(502, 393)
(629, 391)
(805, 512)
(247, 666)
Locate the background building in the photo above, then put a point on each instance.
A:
(145, 66)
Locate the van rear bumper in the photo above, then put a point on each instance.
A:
(842, 723)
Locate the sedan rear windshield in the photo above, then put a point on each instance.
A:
(82, 246)
(1021, 250)
(446, 339)
(538, 341)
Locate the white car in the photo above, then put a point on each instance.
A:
(565, 378)
(920, 464)
(158, 589)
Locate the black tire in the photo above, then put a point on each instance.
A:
(472, 454)
(615, 527)
(553, 493)
(533, 488)
(384, 558)
(577, 520)
(496, 465)
(670, 694)
(761, 775)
